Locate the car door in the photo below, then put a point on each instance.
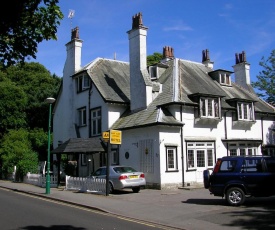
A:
(253, 176)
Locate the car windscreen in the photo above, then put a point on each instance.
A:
(124, 169)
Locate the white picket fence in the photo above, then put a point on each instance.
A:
(40, 180)
(85, 184)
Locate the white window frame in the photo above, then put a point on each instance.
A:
(210, 107)
(194, 149)
(225, 79)
(83, 82)
(96, 127)
(245, 111)
(242, 149)
(171, 158)
(82, 116)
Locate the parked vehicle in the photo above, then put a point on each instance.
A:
(238, 177)
(121, 177)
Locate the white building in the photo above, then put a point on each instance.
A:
(177, 117)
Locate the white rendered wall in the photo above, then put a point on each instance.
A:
(138, 62)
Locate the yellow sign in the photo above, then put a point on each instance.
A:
(105, 135)
(115, 137)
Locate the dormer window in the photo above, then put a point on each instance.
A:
(156, 70)
(245, 111)
(225, 79)
(153, 72)
(210, 107)
(221, 76)
(83, 82)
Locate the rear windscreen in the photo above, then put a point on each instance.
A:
(124, 169)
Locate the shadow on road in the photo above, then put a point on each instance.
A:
(205, 201)
(54, 227)
(263, 202)
(254, 214)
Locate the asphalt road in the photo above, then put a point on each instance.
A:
(20, 211)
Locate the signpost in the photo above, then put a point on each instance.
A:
(112, 137)
(115, 137)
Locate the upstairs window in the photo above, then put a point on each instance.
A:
(83, 83)
(82, 121)
(96, 122)
(245, 111)
(210, 107)
(225, 79)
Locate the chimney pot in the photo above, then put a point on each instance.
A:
(75, 33)
(205, 55)
(137, 21)
(168, 52)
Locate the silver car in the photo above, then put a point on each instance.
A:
(121, 177)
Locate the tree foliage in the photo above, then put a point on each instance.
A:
(16, 150)
(23, 25)
(154, 58)
(13, 105)
(266, 79)
(24, 116)
(23, 90)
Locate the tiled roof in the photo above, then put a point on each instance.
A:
(112, 80)
(80, 145)
(180, 81)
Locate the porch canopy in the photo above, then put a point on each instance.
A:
(80, 145)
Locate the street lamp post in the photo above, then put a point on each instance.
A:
(50, 101)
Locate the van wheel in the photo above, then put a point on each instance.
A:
(206, 178)
(235, 196)
(136, 190)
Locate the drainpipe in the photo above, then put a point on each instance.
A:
(181, 139)
(262, 124)
(225, 131)
(89, 110)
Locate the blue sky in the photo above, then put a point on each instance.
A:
(225, 27)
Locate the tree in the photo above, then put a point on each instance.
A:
(154, 58)
(16, 150)
(12, 106)
(24, 89)
(24, 24)
(266, 79)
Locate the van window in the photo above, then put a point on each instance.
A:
(252, 165)
(228, 166)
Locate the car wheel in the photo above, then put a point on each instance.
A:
(206, 178)
(111, 188)
(136, 190)
(235, 196)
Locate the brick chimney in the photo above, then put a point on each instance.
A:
(140, 83)
(206, 59)
(167, 54)
(242, 70)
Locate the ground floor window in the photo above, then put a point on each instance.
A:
(242, 149)
(171, 158)
(200, 155)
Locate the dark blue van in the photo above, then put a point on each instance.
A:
(238, 177)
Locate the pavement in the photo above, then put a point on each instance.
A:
(186, 208)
